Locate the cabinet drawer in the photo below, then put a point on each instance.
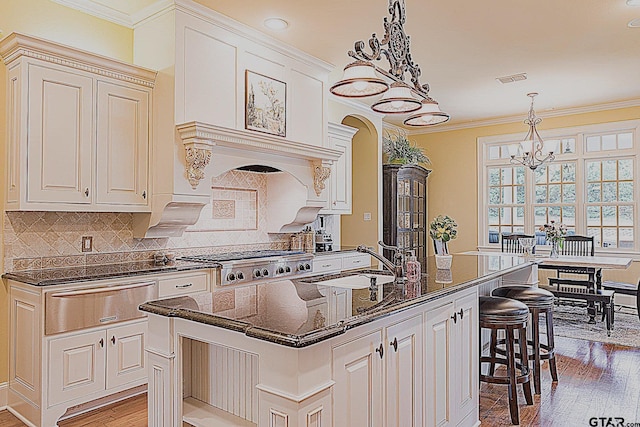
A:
(183, 285)
(326, 264)
(356, 261)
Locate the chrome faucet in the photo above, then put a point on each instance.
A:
(396, 268)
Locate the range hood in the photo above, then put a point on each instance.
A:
(199, 115)
(296, 181)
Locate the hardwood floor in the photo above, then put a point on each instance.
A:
(596, 380)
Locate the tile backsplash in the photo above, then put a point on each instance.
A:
(53, 239)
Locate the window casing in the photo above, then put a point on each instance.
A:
(591, 186)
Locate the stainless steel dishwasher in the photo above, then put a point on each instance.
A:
(73, 309)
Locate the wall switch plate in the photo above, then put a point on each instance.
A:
(367, 216)
(87, 243)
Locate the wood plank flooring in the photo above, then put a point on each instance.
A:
(596, 380)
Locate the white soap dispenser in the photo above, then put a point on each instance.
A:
(413, 267)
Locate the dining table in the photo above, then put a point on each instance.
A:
(591, 266)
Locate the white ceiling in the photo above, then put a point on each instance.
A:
(575, 53)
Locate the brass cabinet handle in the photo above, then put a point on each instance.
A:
(394, 344)
(380, 350)
(113, 339)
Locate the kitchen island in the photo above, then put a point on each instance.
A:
(293, 353)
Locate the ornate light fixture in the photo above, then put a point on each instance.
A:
(360, 79)
(532, 151)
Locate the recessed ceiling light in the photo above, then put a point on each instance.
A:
(634, 23)
(633, 2)
(277, 24)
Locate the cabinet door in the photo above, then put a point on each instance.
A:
(465, 357)
(438, 345)
(404, 373)
(125, 354)
(76, 366)
(122, 144)
(357, 371)
(59, 142)
(341, 180)
(339, 304)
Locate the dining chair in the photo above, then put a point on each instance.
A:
(510, 243)
(575, 245)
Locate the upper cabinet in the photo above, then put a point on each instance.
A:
(340, 180)
(78, 129)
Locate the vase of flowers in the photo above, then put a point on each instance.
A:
(442, 230)
(555, 233)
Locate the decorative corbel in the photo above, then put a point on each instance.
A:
(321, 173)
(197, 159)
(198, 145)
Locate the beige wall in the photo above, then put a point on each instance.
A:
(354, 230)
(453, 185)
(49, 20)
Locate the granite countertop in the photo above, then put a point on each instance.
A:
(85, 273)
(295, 312)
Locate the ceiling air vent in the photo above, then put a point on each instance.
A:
(512, 78)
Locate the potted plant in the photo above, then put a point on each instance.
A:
(400, 150)
(442, 230)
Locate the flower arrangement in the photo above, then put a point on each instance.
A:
(442, 230)
(399, 149)
(555, 232)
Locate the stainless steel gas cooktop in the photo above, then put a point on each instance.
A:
(245, 267)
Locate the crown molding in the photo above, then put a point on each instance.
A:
(99, 10)
(518, 118)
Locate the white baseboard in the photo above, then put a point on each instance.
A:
(4, 389)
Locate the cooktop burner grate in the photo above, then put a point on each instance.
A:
(231, 256)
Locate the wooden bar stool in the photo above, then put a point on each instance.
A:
(497, 313)
(538, 300)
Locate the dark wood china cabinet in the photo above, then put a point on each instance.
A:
(404, 205)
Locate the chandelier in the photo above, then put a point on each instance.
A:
(532, 151)
(362, 79)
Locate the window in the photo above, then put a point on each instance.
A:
(590, 186)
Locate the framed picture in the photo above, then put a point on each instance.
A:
(265, 104)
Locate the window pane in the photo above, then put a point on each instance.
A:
(519, 218)
(609, 192)
(520, 194)
(540, 214)
(609, 142)
(520, 175)
(569, 172)
(541, 193)
(625, 191)
(625, 140)
(609, 169)
(626, 238)
(593, 193)
(507, 176)
(494, 152)
(507, 195)
(569, 193)
(597, 235)
(541, 174)
(505, 215)
(494, 176)
(593, 216)
(593, 171)
(625, 169)
(609, 238)
(494, 195)
(593, 143)
(568, 146)
(569, 215)
(609, 216)
(554, 213)
(554, 193)
(625, 216)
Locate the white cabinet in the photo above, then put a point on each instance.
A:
(78, 129)
(340, 180)
(451, 362)
(404, 378)
(98, 360)
(381, 368)
(339, 261)
(122, 144)
(357, 372)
